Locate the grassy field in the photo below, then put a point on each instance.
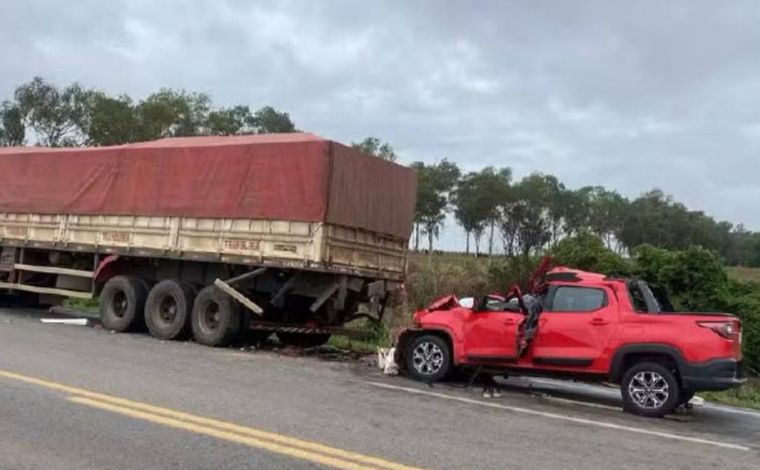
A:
(744, 274)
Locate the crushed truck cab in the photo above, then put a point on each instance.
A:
(581, 325)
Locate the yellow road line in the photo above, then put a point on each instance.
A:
(225, 435)
(214, 427)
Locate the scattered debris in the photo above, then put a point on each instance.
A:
(386, 361)
(66, 321)
(698, 402)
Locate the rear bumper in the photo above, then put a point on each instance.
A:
(717, 374)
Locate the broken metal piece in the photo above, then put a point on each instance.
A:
(249, 275)
(226, 288)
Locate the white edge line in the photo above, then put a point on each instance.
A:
(583, 403)
(572, 419)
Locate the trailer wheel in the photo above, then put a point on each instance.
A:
(169, 308)
(215, 317)
(122, 302)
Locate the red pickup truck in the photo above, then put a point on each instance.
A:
(581, 325)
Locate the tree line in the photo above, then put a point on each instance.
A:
(531, 215)
(42, 113)
(497, 212)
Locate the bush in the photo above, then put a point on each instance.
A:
(587, 252)
(432, 276)
(694, 278)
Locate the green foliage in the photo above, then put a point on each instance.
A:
(172, 113)
(57, 116)
(586, 251)
(748, 395)
(268, 120)
(112, 121)
(476, 202)
(695, 277)
(230, 121)
(74, 115)
(430, 277)
(373, 146)
(434, 191)
(12, 130)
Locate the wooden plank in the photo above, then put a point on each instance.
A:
(52, 270)
(46, 290)
(239, 297)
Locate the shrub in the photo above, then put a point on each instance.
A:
(587, 252)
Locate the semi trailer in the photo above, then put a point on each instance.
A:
(208, 237)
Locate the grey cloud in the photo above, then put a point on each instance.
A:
(629, 95)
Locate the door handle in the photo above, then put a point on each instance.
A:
(509, 321)
(598, 321)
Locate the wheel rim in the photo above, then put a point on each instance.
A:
(119, 304)
(167, 310)
(210, 317)
(649, 390)
(427, 358)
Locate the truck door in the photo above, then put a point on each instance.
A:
(574, 327)
(490, 336)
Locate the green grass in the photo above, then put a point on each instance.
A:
(378, 336)
(743, 274)
(748, 395)
(85, 305)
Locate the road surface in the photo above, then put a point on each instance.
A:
(75, 397)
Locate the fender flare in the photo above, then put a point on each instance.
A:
(618, 359)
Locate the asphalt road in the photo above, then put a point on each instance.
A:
(75, 397)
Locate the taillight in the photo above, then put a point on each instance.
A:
(723, 328)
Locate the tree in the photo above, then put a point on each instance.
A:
(113, 121)
(268, 120)
(172, 113)
(435, 185)
(477, 199)
(468, 211)
(230, 121)
(57, 116)
(373, 146)
(588, 252)
(606, 214)
(12, 130)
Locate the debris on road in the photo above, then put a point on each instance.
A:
(66, 321)
(386, 361)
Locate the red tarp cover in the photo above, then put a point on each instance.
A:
(298, 177)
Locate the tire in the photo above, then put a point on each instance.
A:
(428, 358)
(122, 303)
(215, 319)
(168, 310)
(650, 389)
(304, 340)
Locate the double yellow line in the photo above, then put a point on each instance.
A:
(252, 437)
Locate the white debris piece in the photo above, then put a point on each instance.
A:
(697, 402)
(66, 321)
(381, 354)
(386, 361)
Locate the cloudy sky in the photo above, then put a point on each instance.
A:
(629, 95)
